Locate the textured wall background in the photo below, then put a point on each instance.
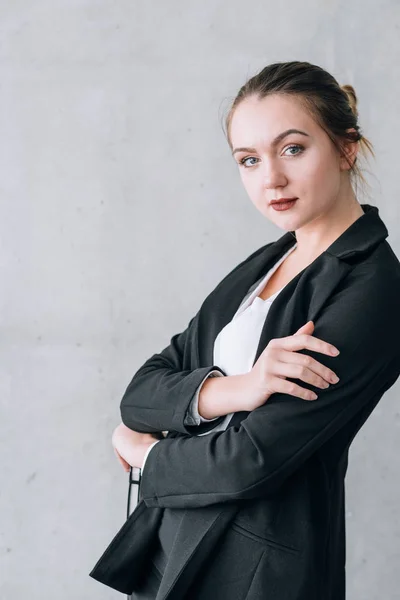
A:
(113, 163)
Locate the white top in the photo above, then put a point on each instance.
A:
(236, 345)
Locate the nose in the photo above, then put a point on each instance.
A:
(273, 174)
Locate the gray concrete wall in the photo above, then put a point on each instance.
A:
(113, 161)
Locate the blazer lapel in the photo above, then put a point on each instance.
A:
(220, 306)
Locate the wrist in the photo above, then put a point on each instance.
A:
(220, 396)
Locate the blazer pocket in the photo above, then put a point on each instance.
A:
(264, 540)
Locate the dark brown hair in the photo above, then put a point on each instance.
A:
(332, 106)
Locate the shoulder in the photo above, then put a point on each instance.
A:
(255, 254)
(377, 277)
(235, 274)
(363, 314)
(249, 259)
(243, 265)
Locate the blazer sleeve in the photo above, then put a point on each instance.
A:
(255, 458)
(160, 394)
(161, 391)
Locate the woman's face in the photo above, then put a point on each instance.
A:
(304, 165)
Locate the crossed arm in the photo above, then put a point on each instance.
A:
(275, 439)
(193, 416)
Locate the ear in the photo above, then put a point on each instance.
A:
(349, 153)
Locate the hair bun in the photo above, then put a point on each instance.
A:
(351, 96)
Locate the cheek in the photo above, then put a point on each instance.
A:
(316, 176)
(252, 183)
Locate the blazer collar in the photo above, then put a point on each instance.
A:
(360, 237)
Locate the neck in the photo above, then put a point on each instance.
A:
(317, 235)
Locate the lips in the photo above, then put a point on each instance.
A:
(282, 200)
(282, 205)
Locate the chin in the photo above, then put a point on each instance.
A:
(287, 223)
(289, 220)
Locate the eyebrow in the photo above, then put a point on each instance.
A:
(275, 141)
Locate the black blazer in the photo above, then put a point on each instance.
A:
(275, 476)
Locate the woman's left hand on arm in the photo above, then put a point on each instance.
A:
(130, 446)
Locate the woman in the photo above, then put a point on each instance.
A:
(244, 498)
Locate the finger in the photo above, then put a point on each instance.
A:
(303, 340)
(306, 362)
(307, 328)
(124, 464)
(299, 371)
(289, 387)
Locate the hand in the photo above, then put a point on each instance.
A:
(126, 466)
(280, 360)
(131, 446)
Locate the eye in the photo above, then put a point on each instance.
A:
(295, 146)
(243, 161)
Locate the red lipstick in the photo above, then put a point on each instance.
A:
(283, 203)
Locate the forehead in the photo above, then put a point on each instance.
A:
(257, 120)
